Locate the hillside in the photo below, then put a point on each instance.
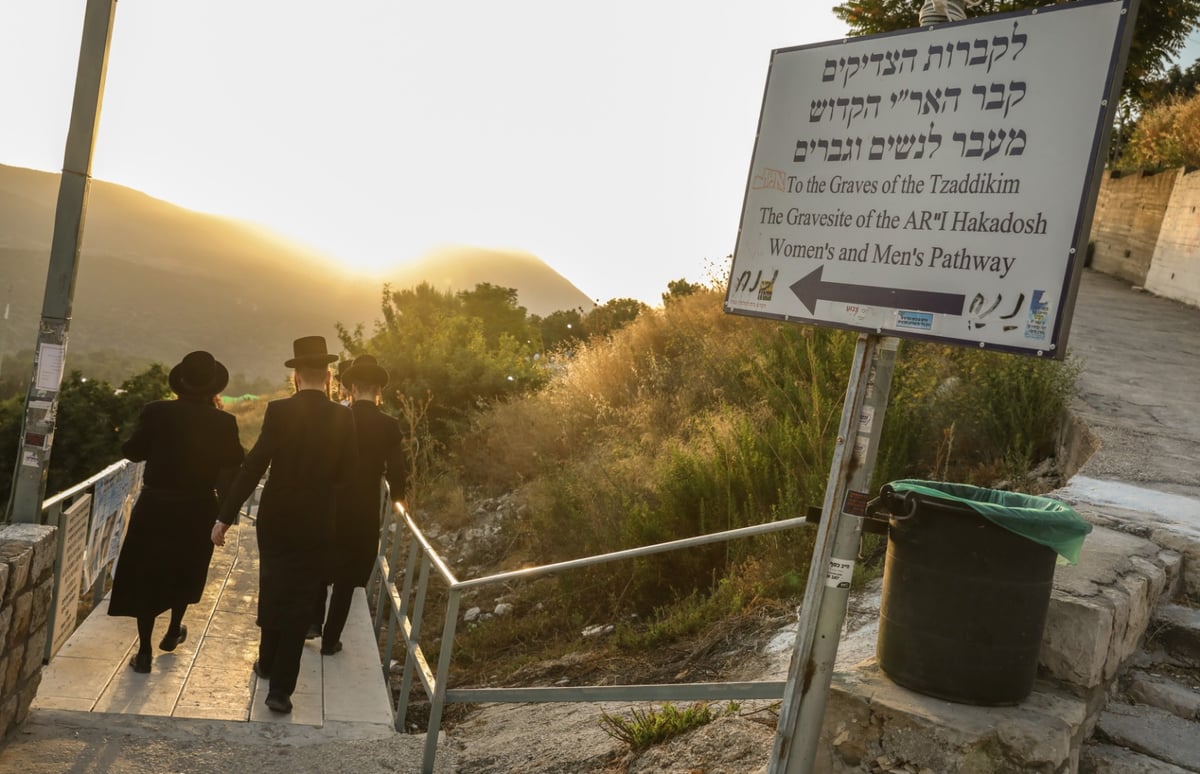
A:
(156, 280)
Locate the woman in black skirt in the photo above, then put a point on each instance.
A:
(191, 450)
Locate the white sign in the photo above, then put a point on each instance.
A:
(73, 531)
(934, 183)
(51, 360)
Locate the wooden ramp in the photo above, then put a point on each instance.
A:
(210, 676)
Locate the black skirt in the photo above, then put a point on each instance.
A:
(164, 560)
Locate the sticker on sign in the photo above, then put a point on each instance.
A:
(933, 184)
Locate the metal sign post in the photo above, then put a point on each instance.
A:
(827, 592)
(41, 401)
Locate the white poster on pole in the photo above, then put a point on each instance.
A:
(933, 183)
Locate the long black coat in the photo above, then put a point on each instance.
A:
(308, 442)
(190, 449)
(380, 452)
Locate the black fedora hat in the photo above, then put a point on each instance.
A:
(366, 370)
(199, 373)
(309, 352)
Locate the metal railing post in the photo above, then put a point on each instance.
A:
(438, 701)
(411, 634)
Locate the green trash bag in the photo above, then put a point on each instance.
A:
(1043, 520)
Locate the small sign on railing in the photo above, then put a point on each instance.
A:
(72, 534)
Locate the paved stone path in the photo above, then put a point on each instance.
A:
(209, 675)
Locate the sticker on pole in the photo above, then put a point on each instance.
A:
(935, 183)
(839, 573)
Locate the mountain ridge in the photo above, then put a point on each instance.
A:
(158, 280)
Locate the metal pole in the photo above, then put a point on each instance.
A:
(829, 577)
(41, 401)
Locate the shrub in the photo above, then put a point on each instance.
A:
(690, 421)
(1167, 135)
(649, 727)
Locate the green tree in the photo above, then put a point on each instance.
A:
(613, 316)
(11, 414)
(93, 420)
(438, 350)
(498, 310)
(1175, 83)
(561, 330)
(1160, 33)
(677, 289)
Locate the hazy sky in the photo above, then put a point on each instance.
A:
(612, 140)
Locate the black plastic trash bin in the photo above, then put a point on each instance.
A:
(966, 587)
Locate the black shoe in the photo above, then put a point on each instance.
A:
(329, 650)
(258, 670)
(279, 703)
(169, 641)
(314, 631)
(140, 663)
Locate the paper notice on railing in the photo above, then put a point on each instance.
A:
(51, 360)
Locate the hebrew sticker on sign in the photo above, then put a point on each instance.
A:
(935, 183)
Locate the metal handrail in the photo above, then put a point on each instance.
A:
(51, 503)
(423, 558)
(52, 512)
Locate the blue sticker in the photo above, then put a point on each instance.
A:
(1039, 313)
(916, 321)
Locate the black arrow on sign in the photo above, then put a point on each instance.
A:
(810, 289)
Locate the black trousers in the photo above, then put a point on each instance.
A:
(279, 652)
(318, 609)
(339, 609)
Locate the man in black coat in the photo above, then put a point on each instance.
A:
(380, 453)
(309, 443)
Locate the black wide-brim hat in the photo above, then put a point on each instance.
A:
(309, 352)
(366, 370)
(199, 373)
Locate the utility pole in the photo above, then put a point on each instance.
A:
(41, 401)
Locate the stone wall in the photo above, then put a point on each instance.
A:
(1129, 214)
(1175, 269)
(27, 554)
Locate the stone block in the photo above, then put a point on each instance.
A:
(22, 608)
(41, 539)
(26, 696)
(43, 596)
(12, 670)
(1172, 564)
(4, 571)
(869, 718)
(1139, 589)
(8, 712)
(35, 653)
(1164, 693)
(1110, 759)
(18, 557)
(5, 626)
(1188, 548)
(1075, 643)
(1152, 732)
(1120, 603)
(1177, 630)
